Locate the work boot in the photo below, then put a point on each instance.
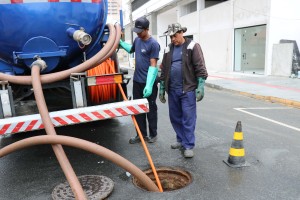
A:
(188, 153)
(152, 139)
(137, 139)
(176, 145)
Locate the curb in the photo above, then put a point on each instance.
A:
(272, 99)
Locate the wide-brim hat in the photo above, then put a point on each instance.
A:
(174, 28)
(140, 24)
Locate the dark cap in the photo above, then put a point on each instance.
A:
(141, 24)
(174, 28)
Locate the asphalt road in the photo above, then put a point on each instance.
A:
(271, 141)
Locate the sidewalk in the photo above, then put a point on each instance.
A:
(277, 89)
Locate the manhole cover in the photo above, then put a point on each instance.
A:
(95, 187)
(170, 178)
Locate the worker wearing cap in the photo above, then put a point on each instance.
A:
(146, 50)
(183, 75)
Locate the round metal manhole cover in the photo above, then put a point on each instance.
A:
(170, 178)
(95, 187)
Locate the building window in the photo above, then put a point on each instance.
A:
(209, 3)
(138, 3)
(188, 8)
(189, 36)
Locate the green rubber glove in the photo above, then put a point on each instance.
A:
(125, 46)
(200, 89)
(162, 90)
(151, 76)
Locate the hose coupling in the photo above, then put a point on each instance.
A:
(80, 36)
(39, 62)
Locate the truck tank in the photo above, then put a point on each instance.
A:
(81, 71)
(48, 29)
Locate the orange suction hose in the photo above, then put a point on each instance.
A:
(57, 148)
(85, 145)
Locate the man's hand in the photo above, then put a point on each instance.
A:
(125, 46)
(162, 90)
(147, 91)
(151, 77)
(200, 89)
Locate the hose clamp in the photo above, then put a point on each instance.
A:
(39, 62)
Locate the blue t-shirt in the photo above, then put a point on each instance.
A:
(144, 51)
(176, 68)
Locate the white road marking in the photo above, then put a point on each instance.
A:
(266, 108)
(265, 118)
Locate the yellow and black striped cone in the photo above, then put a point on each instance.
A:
(236, 156)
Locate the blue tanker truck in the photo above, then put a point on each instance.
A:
(76, 50)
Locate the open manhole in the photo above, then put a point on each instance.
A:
(170, 178)
(94, 186)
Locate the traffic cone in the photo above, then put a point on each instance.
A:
(236, 156)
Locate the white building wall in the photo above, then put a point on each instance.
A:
(284, 24)
(213, 27)
(149, 7)
(217, 24)
(250, 13)
(189, 19)
(216, 36)
(163, 20)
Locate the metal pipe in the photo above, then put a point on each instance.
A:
(85, 145)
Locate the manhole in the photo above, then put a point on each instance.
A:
(170, 178)
(95, 187)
